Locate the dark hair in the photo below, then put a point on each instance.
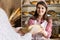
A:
(44, 4)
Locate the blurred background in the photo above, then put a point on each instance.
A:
(19, 11)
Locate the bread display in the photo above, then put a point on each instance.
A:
(56, 1)
(26, 2)
(48, 2)
(26, 13)
(52, 13)
(15, 13)
(32, 12)
(33, 2)
(59, 1)
(53, 2)
(14, 16)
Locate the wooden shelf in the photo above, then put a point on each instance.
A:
(54, 5)
(28, 5)
(51, 5)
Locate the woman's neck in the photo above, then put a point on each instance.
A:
(39, 19)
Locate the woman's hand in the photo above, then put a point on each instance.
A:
(35, 29)
(38, 29)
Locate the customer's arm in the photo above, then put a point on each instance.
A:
(6, 30)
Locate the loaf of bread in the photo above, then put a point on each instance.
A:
(35, 28)
(34, 2)
(32, 29)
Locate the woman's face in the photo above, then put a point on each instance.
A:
(41, 10)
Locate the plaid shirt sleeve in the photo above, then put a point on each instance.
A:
(49, 28)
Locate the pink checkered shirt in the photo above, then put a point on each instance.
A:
(48, 29)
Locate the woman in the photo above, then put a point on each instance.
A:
(40, 17)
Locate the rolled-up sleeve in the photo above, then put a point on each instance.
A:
(49, 28)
